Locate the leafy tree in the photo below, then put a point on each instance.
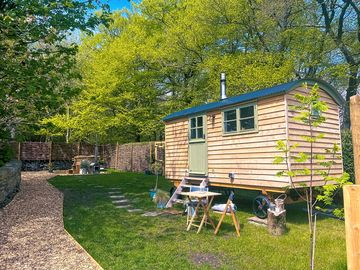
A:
(313, 164)
(36, 59)
(341, 22)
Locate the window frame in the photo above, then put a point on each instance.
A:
(238, 119)
(196, 128)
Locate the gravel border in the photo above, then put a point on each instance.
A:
(32, 234)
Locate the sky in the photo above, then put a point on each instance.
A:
(118, 4)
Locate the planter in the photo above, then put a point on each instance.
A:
(152, 194)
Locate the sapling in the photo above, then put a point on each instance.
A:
(314, 164)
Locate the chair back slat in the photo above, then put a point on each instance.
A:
(231, 196)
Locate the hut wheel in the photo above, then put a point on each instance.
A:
(260, 206)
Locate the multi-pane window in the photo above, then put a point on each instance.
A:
(230, 122)
(240, 119)
(196, 128)
(247, 118)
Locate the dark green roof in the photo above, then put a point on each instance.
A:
(278, 89)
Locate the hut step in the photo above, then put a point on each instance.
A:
(184, 183)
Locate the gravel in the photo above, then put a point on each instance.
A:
(32, 234)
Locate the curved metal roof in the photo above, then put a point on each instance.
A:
(262, 93)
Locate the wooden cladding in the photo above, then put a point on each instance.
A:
(250, 155)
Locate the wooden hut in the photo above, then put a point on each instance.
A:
(232, 142)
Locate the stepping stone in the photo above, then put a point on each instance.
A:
(114, 188)
(114, 192)
(99, 186)
(123, 206)
(257, 221)
(151, 214)
(117, 197)
(134, 210)
(121, 201)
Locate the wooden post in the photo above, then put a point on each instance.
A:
(352, 225)
(78, 148)
(352, 193)
(355, 130)
(19, 151)
(131, 158)
(116, 155)
(50, 152)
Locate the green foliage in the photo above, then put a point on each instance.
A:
(309, 113)
(348, 154)
(6, 153)
(37, 74)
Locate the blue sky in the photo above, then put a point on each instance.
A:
(118, 4)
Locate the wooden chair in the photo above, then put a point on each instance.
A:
(228, 210)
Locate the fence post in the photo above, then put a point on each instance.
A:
(78, 148)
(19, 150)
(50, 152)
(116, 155)
(131, 157)
(355, 130)
(352, 193)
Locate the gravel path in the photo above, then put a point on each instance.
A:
(32, 234)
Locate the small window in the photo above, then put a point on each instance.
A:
(240, 119)
(247, 118)
(230, 122)
(196, 128)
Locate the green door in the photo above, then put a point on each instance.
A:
(197, 145)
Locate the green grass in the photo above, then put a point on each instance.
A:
(121, 240)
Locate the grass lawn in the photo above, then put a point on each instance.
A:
(121, 240)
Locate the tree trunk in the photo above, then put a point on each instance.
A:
(351, 91)
(276, 222)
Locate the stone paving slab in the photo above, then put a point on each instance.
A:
(32, 234)
(123, 206)
(116, 196)
(134, 210)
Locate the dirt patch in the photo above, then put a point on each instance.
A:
(210, 259)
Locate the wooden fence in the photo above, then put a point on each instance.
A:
(135, 157)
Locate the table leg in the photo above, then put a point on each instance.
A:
(206, 214)
(193, 216)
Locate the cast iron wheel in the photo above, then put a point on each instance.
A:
(260, 206)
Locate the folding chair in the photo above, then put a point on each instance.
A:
(191, 204)
(227, 209)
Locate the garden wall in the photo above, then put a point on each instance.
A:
(135, 157)
(10, 177)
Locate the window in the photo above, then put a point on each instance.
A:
(240, 119)
(196, 128)
(230, 122)
(247, 118)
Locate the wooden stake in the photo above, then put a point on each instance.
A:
(352, 225)
(355, 130)
(352, 193)
(19, 151)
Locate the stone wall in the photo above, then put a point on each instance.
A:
(10, 177)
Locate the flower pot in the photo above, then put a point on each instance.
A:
(152, 193)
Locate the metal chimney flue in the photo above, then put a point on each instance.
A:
(222, 86)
